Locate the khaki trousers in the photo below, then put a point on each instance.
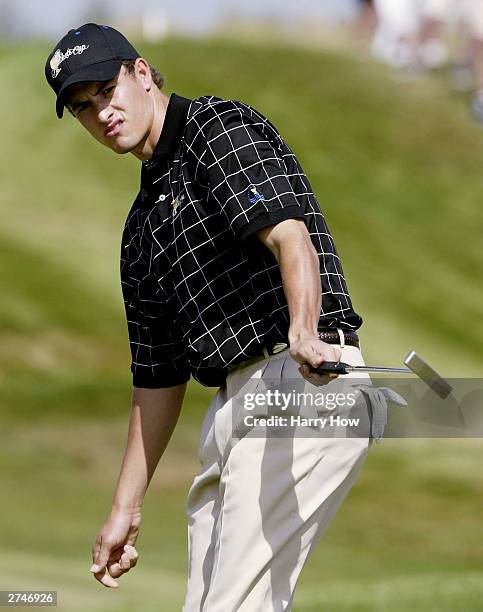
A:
(260, 504)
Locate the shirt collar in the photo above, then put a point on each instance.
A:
(173, 128)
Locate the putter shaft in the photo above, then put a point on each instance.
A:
(416, 364)
(377, 369)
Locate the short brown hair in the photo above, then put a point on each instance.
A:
(157, 77)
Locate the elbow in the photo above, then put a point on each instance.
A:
(290, 235)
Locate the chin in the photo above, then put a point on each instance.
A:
(120, 150)
(121, 146)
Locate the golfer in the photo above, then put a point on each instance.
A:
(229, 275)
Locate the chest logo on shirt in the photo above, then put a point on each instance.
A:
(177, 200)
(254, 195)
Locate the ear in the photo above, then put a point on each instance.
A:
(143, 73)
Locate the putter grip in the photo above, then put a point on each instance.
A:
(332, 367)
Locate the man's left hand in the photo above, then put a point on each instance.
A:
(313, 352)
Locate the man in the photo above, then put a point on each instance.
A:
(229, 274)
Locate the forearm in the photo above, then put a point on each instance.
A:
(297, 258)
(299, 265)
(299, 268)
(154, 415)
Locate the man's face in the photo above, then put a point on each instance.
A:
(118, 113)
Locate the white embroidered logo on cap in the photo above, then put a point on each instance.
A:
(54, 63)
(59, 57)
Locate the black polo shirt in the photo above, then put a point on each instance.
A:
(202, 293)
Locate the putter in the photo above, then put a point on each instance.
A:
(416, 365)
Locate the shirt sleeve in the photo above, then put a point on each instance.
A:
(246, 171)
(158, 355)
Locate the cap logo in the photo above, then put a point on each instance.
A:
(59, 57)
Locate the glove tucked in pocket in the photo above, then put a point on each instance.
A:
(378, 398)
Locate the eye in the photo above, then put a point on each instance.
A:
(82, 107)
(108, 90)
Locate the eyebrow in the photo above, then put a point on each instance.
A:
(75, 105)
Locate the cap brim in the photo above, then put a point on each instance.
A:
(103, 71)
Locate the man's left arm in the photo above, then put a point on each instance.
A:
(290, 243)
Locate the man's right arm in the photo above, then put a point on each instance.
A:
(154, 415)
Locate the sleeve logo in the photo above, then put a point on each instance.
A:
(254, 195)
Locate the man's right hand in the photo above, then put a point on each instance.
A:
(113, 553)
(154, 413)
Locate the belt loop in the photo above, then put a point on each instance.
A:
(265, 352)
(341, 337)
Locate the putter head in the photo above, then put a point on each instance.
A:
(427, 374)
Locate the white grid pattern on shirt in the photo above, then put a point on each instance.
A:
(200, 294)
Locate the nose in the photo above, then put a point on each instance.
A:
(104, 113)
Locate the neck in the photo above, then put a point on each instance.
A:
(147, 146)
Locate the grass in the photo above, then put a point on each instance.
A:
(397, 171)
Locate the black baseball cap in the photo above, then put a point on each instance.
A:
(90, 53)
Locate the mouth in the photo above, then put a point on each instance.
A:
(113, 129)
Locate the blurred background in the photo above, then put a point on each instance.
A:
(382, 108)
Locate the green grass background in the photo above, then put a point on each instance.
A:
(398, 170)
